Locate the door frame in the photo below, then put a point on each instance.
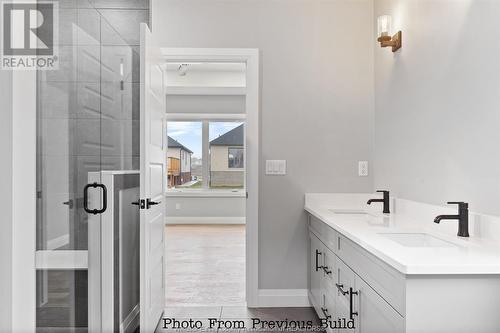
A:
(250, 56)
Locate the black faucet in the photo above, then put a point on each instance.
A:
(385, 200)
(462, 217)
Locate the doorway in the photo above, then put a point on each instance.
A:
(206, 220)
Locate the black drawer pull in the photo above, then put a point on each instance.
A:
(340, 288)
(317, 260)
(352, 313)
(327, 271)
(325, 312)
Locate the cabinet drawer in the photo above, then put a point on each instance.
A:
(375, 315)
(345, 279)
(385, 280)
(327, 235)
(330, 269)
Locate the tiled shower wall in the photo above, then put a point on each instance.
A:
(88, 120)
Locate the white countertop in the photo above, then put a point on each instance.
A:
(477, 254)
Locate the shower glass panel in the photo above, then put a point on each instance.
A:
(87, 121)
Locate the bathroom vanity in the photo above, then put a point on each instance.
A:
(400, 272)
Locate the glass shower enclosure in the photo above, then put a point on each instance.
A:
(87, 123)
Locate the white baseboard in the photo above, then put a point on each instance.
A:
(283, 298)
(204, 220)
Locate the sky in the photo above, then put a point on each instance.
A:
(189, 133)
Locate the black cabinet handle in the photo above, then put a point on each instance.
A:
(352, 313)
(325, 312)
(317, 260)
(86, 198)
(327, 271)
(340, 288)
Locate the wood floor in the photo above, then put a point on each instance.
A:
(205, 265)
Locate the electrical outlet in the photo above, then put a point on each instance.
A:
(177, 206)
(363, 168)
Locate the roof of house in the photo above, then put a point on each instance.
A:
(232, 138)
(176, 144)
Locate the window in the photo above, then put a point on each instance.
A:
(205, 154)
(235, 158)
(184, 154)
(227, 155)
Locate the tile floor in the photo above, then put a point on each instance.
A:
(230, 316)
(205, 265)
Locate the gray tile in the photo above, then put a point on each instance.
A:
(126, 23)
(74, 4)
(130, 4)
(57, 137)
(89, 27)
(57, 99)
(89, 100)
(193, 312)
(302, 313)
(88, 137)
(116, 57)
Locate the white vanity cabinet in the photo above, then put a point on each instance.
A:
(389, 287)
(338, 291)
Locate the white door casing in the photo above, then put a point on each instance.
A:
(153, 182)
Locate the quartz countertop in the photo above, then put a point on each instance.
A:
(474, 255)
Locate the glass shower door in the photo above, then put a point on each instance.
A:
(85, 124)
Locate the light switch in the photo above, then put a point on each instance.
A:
(276, 167)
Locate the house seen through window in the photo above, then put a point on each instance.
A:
(223, 166)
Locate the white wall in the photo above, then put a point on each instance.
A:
(228, 209)
(438, 103)
(6, 200)
(316, 98)
(206, 79)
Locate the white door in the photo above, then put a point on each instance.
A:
(153, 181)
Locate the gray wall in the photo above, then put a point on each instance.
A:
(437, 103)
(6, 200)
(316, 103)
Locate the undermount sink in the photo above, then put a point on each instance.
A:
(348, 211)
(417, 240)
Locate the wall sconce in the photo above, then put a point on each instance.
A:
(384, 25)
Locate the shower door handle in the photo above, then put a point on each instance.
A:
(86, 198)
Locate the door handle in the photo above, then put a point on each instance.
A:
(352, 313)
(150, 203)
(139, 203)
(86, 199)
